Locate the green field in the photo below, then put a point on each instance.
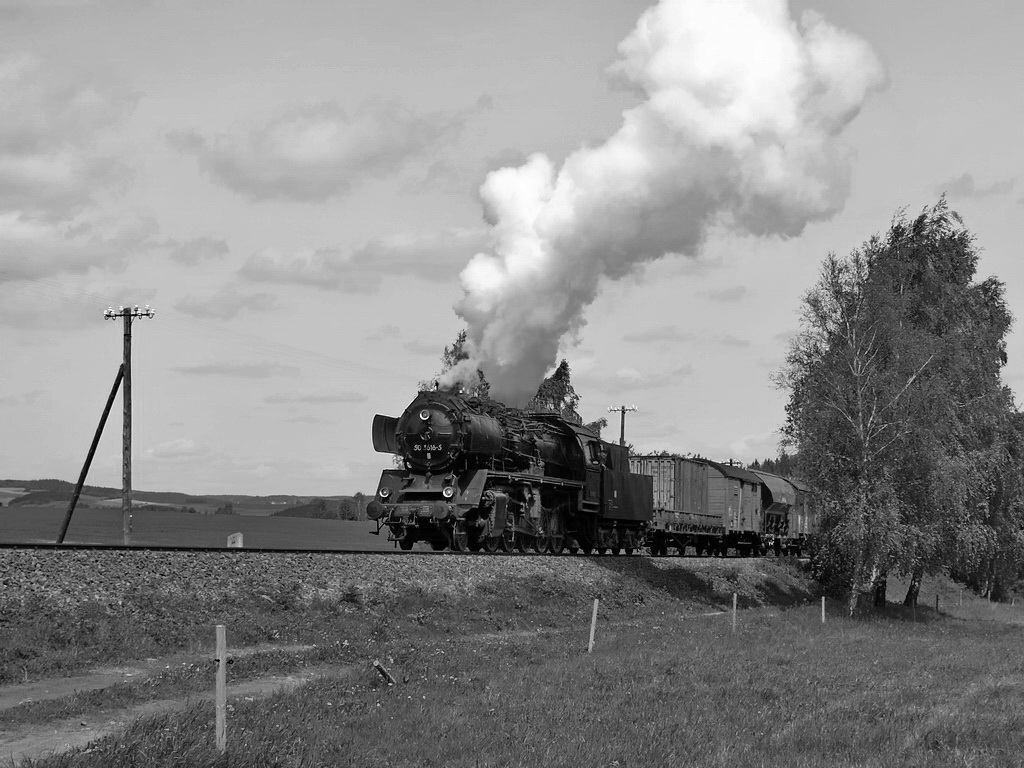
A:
(501, 676)
(31, 525)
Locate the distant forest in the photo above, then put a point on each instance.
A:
(345, 508)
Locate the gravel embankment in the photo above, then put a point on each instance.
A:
(71, 577)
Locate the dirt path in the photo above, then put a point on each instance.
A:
(36, 740)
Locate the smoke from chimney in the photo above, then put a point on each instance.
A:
(738, 128)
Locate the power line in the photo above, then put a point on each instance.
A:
(203, 329)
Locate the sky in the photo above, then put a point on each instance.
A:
(316, 197)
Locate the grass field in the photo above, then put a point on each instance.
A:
(500, 676)
(679, 690)
(25, 525)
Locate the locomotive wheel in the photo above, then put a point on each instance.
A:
(405, 544)
(587, 549)
(556, 544)
(629, 550)
(540, 545)
(460, 541)
(602, 550)
(616, 550)
(437, 546)
(492, 545)
(522, 545)
(573, 548)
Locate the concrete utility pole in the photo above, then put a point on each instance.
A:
(622, 429)
(128, 314)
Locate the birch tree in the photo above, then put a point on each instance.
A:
(896, 407)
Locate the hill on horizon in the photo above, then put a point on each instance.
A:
(50, 492)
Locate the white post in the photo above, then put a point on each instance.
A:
(822, 610)
(222, 693)
(733, 611)
(593, 627)
(235, 541)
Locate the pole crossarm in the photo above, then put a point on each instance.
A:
(622, 428)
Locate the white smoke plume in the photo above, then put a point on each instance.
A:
(742, 107)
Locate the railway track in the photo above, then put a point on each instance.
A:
(241, 551)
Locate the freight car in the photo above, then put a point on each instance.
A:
(702, 504)
(713, 508)
(787, 513)
(476, 475)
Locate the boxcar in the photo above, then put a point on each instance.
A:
(702, 504)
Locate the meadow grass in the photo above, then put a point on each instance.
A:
(660, 689)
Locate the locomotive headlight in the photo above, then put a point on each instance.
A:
(425, 415)
(384, 492)
(448, 491)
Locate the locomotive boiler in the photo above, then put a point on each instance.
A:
(473, 474)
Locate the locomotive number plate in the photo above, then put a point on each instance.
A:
(427, 448)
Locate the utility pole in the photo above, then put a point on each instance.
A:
(128, 314)
(622, 429)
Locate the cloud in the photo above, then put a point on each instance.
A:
(319, 152)
(384, 332)
(630, 379)
(30, 398)
(196, 250)
(725, 295)
(52, 173)
(732, 341)
(34, 248)
(240, 370)
(306, 418)
(226, 304)
(669, 333)
(764, 445)
(436, 257)
(179, 449)
(316, 398)
(49, 167)
(661, 333)
(964, 185)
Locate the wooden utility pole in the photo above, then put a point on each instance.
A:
(622, 428)
(128, 314)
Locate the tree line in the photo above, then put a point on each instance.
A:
(898, 416)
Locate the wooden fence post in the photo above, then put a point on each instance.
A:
(734, 612)
(222, 689)
(823, 609)
(593, 627)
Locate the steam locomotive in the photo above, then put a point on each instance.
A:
(476, 475)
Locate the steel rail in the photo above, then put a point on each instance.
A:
(49, 546)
